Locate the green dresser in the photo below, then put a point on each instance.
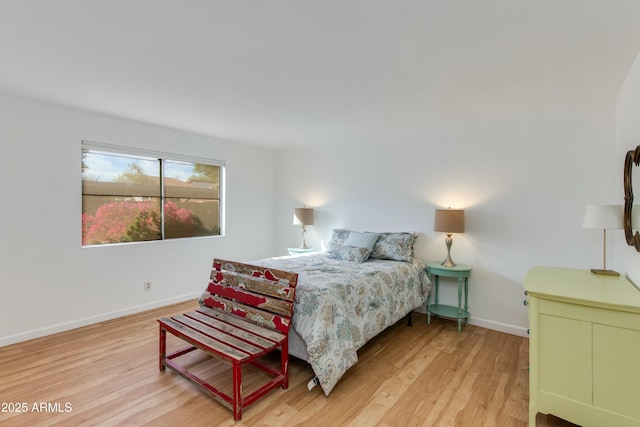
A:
(584, 347)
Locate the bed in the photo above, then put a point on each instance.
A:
(348, 295)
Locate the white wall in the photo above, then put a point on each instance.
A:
(48, 281)
(524, 180)
(627, 138)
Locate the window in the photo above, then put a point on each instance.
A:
(133, 195)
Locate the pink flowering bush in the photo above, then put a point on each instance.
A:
(132, 221)
(181, 222)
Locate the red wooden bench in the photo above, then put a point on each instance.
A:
(244, 313)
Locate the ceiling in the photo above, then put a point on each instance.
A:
(282, 73)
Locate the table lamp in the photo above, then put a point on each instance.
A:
(449, 221)
(303, 217)
(604, 217)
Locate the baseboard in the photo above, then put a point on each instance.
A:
(66, 326)
(491, 324)
(499, 326)
(61, 327)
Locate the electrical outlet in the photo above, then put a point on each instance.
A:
(147, 286)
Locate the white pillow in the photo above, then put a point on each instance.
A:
(361, 240)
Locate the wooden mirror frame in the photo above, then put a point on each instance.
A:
(632, 157)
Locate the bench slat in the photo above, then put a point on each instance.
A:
(260, 317)
(269, 334)
(257, 338)
(257, 271)
(264, 302)
(279, 290)
(218, 335)
(201, 340)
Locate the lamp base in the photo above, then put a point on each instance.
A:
(602, 272)
(448, 262)
(303, 245)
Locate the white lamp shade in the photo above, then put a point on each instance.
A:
(303, 216)
(607, 217)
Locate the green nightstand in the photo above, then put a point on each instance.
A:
(461, 272)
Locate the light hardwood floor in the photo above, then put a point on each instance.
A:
(107, 375)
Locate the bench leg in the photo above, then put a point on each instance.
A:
(237, 391)
(284, 363)
(163, 347)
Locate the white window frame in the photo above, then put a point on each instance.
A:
(120, 149)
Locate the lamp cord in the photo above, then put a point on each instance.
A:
(604, 247)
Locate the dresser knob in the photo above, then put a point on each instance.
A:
(525, 302)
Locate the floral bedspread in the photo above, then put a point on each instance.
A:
(340, 305)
